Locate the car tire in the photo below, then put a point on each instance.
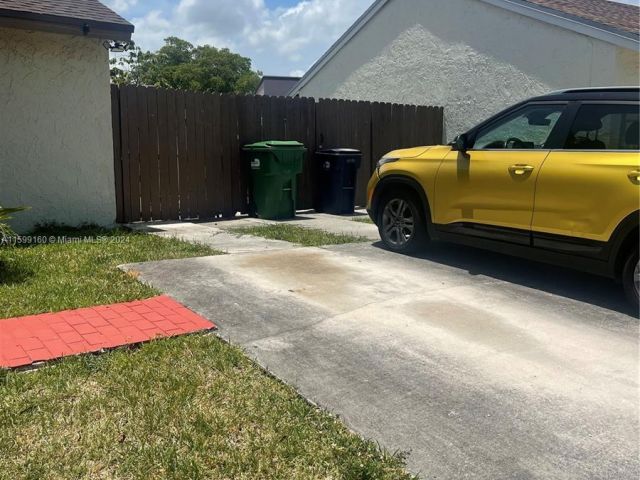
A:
(401, 222)
(631, 278)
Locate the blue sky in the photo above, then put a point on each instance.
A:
(282, 37)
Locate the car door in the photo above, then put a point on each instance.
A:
(488, 191)
(586, 188)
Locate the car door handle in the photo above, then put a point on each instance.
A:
(634, 176)
(520, 169)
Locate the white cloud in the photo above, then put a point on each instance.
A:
(279, 40)
(152, 29)
(310, 22)
(121, 6)
(223, 17)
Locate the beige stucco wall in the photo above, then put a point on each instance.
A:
(468, 56)
(56, 152)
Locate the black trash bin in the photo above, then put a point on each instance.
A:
(337, 173)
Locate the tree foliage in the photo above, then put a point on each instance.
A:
(181, 65)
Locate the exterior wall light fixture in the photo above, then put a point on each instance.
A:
(116, 46)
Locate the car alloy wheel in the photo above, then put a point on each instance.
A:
(636, 278)
(398, 222)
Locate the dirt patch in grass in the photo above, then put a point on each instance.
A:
(363, 219)
(307, 237)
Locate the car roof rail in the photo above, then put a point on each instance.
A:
(597, 89)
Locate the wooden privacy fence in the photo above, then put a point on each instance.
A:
(178, 154)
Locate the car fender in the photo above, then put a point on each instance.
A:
(404, 179)
(623, 237)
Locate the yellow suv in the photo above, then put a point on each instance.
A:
(554, 178)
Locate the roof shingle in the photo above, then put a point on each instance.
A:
(617, 16)
(65, 12)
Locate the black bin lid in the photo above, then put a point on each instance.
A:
(340, 151)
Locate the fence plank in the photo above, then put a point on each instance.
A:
(438, 128)
(275, 127)
(364, 145)
(380, 112)
(134, 155)
(209, 161)
(422, 132)
(125, 118)
(199, 168)
(145, 158)
(307, 192)
(249, 119)
(117, 151)
(163, 156)
(216, 160)
(191, 201)
(238, 197)
(153, 152)
(183, 157)
(249, 131)
(229, 156)
(148, 154)
(169, 183)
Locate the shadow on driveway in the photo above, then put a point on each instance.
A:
(584, 287)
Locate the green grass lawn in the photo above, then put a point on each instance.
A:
(54, 277)
(307, 237)
(184, 408)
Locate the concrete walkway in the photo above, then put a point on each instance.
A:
(476, 364)
(219, 235)
(212, 235)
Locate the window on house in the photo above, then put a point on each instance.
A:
(605, 127)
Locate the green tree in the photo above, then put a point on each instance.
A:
(180, 65)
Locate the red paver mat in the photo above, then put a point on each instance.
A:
(34, 338)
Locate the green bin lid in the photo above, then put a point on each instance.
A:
(269, 144)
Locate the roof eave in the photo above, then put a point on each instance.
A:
(66, 25)
(279, 77)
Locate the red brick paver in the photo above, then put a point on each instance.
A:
(34, 338)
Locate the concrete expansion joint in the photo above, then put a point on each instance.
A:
(281, 332)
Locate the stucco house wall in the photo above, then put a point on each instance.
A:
(468, 56)
(56, 151)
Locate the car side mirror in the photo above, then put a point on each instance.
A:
(461, 143)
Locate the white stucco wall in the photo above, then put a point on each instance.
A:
(468, 56)
(56, 153)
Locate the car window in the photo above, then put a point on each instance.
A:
(604, 127)
(528, 128)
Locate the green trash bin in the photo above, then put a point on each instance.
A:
(274, 167)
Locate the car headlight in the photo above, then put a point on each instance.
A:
(385, 160)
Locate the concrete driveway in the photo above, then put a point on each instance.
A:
(477, 365)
